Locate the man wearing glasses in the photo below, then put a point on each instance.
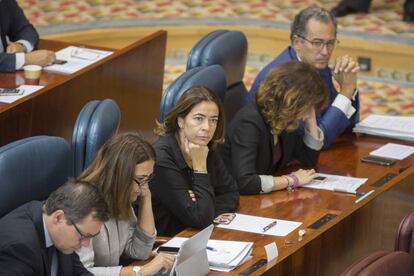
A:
(313, 39)
(40, 238)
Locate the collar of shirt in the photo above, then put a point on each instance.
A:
(48, 239)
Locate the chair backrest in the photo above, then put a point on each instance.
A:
(228, 49)
(31, 168)
(382, 263)
(213, 77)
(96, 123)
(405, 234)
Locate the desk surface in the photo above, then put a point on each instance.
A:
(331, 248)
(132, 76)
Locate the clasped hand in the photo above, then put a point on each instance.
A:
(344, 71)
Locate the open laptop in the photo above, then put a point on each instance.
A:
(192, 256)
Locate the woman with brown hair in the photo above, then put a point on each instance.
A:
(264, 136)
(122, 169)
(191, 185)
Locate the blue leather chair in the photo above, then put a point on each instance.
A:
(212, 77)
(31, 168)
(228, 49)
(96, 123)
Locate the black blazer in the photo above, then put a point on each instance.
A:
(216, 192)
(248, 149)
(23, 246)
(14, 24)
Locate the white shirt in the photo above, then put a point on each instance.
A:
(20, 57)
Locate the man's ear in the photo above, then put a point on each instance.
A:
(295, 43)
(58, 217)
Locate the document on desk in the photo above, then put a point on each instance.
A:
(222, 255)
(27, 90)
(336, 182)
(76, 59)
(394, 151)
(398, 127)
(261, 225)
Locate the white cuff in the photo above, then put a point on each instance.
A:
(27, 44)
(267, 183)
(312, 142)
(344, 104)
(19, 60)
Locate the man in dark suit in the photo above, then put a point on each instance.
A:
(313, 39)
(346, 7)
(40, 239)
(23, 39)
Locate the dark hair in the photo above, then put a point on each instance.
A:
(288, 91)
(190, 98)
(301, 20)
(113, 170)
(77, 199)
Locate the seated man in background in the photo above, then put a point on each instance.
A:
(313, 38)
(23, 39)
(41, 238)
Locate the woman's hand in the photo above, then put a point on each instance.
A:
(198, 155)
(145, 191)
(305, 176)
(162, 261)
(192, 195)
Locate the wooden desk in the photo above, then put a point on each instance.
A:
(358, 229)
(132, 76)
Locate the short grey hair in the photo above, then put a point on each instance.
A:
(302, 18)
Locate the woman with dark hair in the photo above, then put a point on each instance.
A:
(122, 169)
(264, 136)
(191, 185)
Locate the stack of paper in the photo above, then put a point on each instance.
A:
(222, 255)
(226, 255)
(398, 127)
(76, 59)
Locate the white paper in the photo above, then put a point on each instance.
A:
(226, 255)
(255, 224)
(394, 151)
(271, 251)
(82, 58)
(399, 127)
(27, 90)
(337, 182)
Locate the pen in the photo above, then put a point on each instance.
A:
(211, 248)
(270, 225)
(364, 196)
(349, 192)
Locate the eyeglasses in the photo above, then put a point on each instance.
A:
(85, 54)
(82, 236)
(142, 180)
(318, 44)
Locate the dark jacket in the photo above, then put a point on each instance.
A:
(216, 192)
(23, 246)
(14, 24)
(248, 150)
(331, 121)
